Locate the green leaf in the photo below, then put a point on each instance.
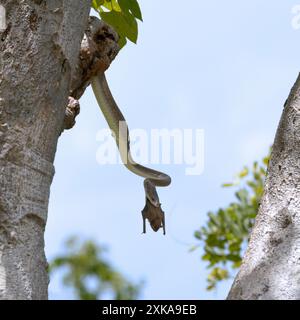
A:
(243, 173)
(131, 6)
(266, 160)
(197, 235)
(97, 3)
(233, 257)
(122, 41)
(111, 5)
(211, 287)
(237, 264)
(233, 247)
(193, 248)
(125, 25)
(206, 256)
(226, 185)
(131, 21)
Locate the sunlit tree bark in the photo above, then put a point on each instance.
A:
(271, 266)
(38, 51)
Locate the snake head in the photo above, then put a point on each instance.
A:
(151, 193)
(154, 215)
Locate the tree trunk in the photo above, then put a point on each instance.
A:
(271, 266)
(38, 53)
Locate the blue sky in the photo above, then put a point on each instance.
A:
(222, 66)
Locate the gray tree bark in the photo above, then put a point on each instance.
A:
(271, 266)
(39, 50)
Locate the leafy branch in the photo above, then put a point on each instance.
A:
(226, 232)
(122, 15)
(83, 264)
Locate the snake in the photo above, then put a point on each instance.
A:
(119, 128)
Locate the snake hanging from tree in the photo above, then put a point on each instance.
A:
(99, 47)
(117, 123)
